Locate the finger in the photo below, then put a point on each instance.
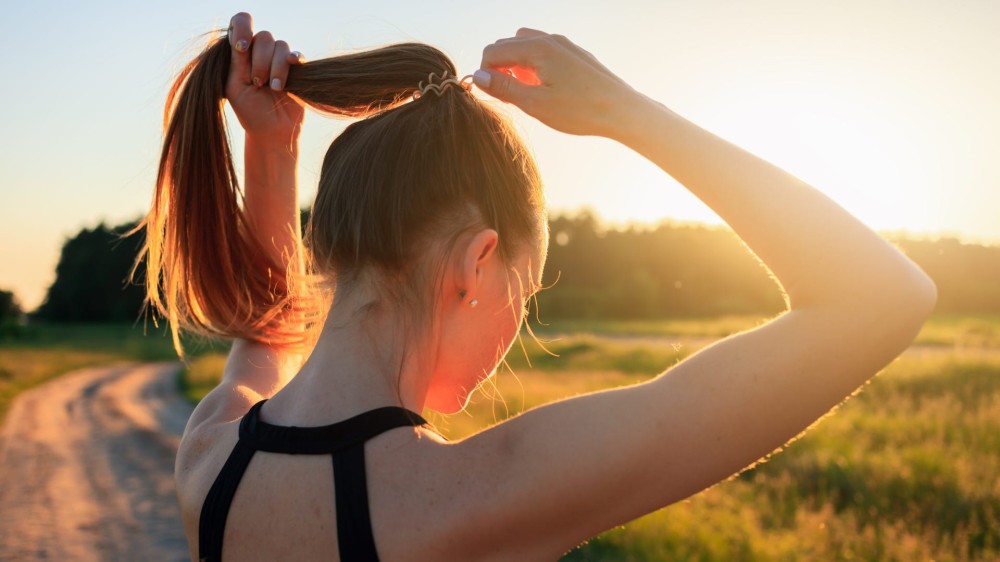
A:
(279, 65)
(523, 33)
(240, 37)
(296, 57)
(261, 53)
(523, 52)
(528, 32)
(505, 87)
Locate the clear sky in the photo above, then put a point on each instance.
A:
(888, 107)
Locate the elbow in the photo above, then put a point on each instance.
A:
(910, 305)
(894, 320)
(907, 291)
(921, 294)
(931, 293)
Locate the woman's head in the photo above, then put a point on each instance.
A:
(399, 181)
(424, 203)
(410, 199)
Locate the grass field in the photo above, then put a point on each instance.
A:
(907, 470)
(43, 352)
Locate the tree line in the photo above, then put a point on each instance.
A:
(592, 272)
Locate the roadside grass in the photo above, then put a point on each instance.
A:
(40, 352)
(201, 375)
(21, 369)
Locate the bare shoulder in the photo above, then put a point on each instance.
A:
(200, 455)
(253, 371)
(202, 451)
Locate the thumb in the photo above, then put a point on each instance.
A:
(503, 86)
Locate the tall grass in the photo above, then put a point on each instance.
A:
(907, 470)
(959, 331)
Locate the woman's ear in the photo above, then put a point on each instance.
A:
(479, 250)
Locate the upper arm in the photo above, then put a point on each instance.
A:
(253, 371)
(561, 473)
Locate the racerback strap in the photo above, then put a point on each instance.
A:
(344, 441)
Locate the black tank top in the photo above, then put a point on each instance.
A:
(344, 441)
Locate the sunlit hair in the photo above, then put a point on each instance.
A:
(403, 179)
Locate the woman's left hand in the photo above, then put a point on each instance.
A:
(555, 81)
(255, 85)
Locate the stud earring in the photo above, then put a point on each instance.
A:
(472, 303)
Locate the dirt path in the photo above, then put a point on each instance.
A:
(86, 467)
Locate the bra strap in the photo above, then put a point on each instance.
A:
(215, 510)
(355, 539)
(344, 441)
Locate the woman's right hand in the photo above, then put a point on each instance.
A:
(258, 72)
(552, 79)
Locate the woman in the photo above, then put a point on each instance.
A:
(429, 222)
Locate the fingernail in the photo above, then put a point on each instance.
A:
(482, 78)
(298, 56)
(276, 84)
(241, 45)
(256, 81)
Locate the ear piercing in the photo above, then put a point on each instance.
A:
(472, 303)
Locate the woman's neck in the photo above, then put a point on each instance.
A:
(355, 366)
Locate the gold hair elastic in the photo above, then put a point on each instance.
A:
(443, 83)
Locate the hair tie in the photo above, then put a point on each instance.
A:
(443, 83)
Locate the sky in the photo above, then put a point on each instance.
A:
(888, 107)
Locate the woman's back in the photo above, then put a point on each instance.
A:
(285, 504)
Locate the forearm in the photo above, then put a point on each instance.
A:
(272, 199)
(819, 252)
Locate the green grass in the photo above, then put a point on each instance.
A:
(37, 353)
(906, 470)
(940, 330)
(201, 375)
(718, 327)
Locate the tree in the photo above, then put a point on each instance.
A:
(10, 308)
(91, 278)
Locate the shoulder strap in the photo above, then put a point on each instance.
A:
(215, 510)
(355, 539)
(343, 440)
(324, 439)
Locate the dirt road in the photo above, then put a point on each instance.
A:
(86, 467)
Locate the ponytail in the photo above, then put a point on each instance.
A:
(206, 271)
